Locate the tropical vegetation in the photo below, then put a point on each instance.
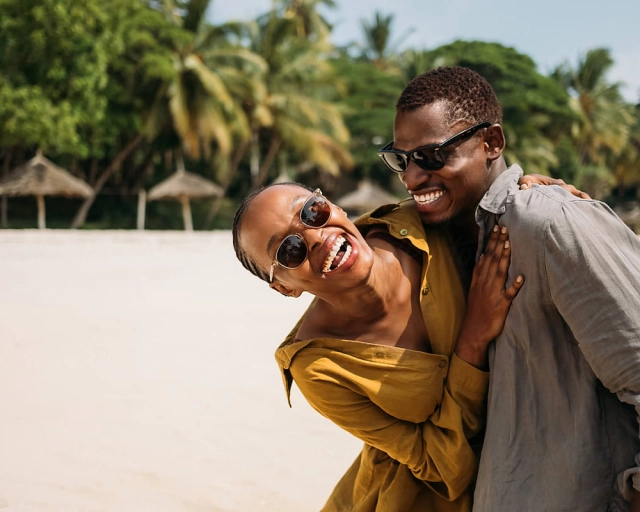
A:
(118, 92)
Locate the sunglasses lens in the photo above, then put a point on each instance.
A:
(316, 212)
(292, 252)
(394, 161)
(428, 160)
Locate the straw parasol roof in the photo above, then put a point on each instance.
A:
(366, 197)
(41, 177)
(183, 185)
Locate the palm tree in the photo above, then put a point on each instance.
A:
(295, 119)
(378, 47)
(605, 118)
(211, 78)
(625, 165)
(307, 21)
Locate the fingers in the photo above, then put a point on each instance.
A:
(493, 264)
(578, 193)
(538, 179)
(511, 292)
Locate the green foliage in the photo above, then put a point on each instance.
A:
(54, 55)
(84, 80)
(368, 102)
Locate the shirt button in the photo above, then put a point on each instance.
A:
(403, 232)
(425, 290)
(442, 364)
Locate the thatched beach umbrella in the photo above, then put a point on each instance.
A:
(183, 186)
(41, 177)
(366, 197)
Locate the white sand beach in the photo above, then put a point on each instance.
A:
(137, 375)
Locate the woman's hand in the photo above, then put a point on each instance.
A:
(538, 179)
(488, 301)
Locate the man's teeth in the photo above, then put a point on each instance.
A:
(428, 198)
(335, 249)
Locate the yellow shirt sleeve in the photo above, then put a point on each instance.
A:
(468, 386)
(436, 451)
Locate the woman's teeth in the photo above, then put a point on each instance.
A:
(333, 259)
(428, 198)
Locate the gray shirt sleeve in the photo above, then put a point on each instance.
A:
(592, 261)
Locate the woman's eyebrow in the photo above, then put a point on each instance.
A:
(278, 236)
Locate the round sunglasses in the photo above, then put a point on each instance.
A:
(429, 157)
(293, 251)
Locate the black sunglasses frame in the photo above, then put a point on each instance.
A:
(305, 221)
(439, 157)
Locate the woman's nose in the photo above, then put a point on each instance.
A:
(313, 237)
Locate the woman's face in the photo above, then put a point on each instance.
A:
(337, 255)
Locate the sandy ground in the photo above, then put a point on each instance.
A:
(137, 374)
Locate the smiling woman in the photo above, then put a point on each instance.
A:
(385, 351)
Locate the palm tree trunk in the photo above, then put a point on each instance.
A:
(260, 180)
(81, 215)
(254, 163)
(4, 223)
(41, 213)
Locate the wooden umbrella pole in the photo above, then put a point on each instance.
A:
(41, 212)
(142, 206)
(186, 213)
(3, 212)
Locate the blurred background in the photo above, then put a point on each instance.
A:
(163, 114)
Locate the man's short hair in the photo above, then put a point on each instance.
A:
(468, 95)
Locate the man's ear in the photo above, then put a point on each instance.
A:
(284, 290)
(495, 142)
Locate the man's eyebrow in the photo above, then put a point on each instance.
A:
(278, 236)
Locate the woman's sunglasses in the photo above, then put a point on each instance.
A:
(429, 157)
(292, 251)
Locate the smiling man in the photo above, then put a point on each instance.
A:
(564, 398)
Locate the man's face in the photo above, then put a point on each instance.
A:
(453, 192)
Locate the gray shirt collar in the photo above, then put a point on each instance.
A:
(496, 197)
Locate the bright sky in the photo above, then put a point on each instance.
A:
(550, 31)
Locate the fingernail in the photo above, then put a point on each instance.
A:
(507, 244)
(519, 279)
(524, 186)
(495, 228)
(503, 230)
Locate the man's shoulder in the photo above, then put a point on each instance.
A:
(541, 204)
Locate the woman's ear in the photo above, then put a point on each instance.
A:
(284, 290)
(494, 141)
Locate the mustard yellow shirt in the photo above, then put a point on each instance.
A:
(413, 410)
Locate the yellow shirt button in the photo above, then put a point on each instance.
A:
(425, 290)
(403, 232)
(442, 364)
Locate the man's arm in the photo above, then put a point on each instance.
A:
(593, 268)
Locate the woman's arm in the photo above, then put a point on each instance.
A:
(436, 451)
(488, 301)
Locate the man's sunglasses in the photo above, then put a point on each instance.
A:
(292, 251)
(429, 157)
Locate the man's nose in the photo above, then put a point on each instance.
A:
(414, 177)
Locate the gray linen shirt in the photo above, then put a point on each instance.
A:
(562, 432)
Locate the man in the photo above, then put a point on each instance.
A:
(562, 432)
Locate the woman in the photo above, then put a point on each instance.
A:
(376, 351)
